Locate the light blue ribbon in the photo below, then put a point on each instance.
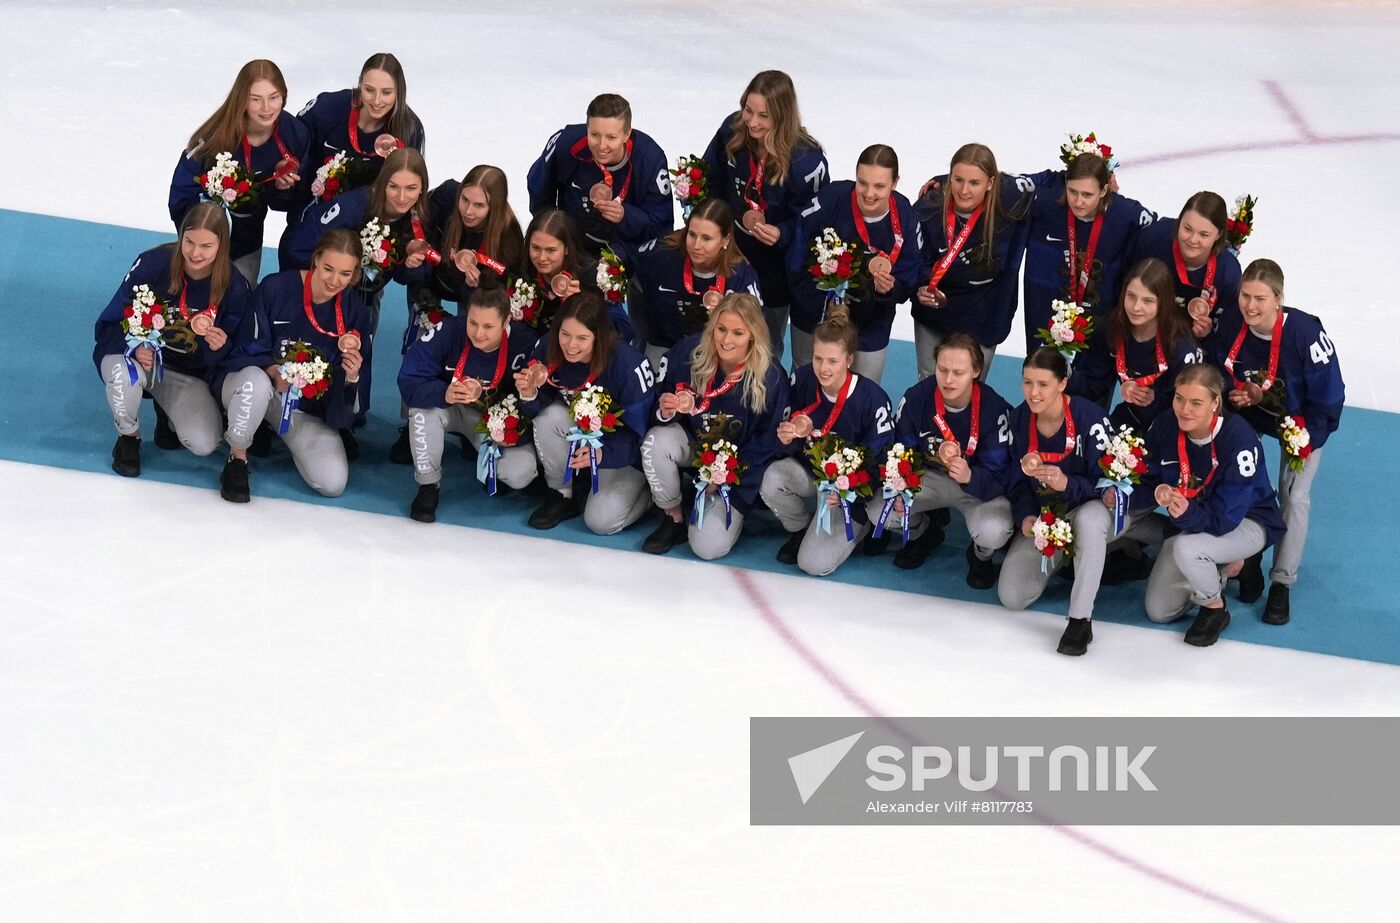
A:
(697, 510)
(594, 441)
(890, 497)
(488, 453)
(1120, 502)
(843, 498)
(290, 400)
(155, 342)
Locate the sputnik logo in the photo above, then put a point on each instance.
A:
(811, 768)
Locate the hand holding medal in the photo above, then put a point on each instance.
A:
(1030, 464)
(802, 425)
(685, 401)
(201, 323)
(564, 285)
(472, 390)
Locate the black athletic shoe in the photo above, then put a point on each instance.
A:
(1121, 567)
(400, 454)
(165, 433)
(1075, 641)
(352, 446)
(1209, 623)
(668, 534)
(1252, 580)
(787, 554)
(873, 547)
(262, 441)
(126, 456)
(555, 509)
(1276, 609)
(981, 575)
(424, 508)
(914, 554)
(233, 481)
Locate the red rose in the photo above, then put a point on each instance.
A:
(1048, 518)
(1105, 151)
(614, 270)
(912, 482)
(1305, 451)
(302, 355)
(695, 174)
(860, 477)
(609, 420)
(830, 469)
(1139, 467)
(129, 312)
(332, 185)
(731, 463)
(905, 468)
(243, 187)
(614, 297)
(228, 182)
(707, 457)
(585, 423)
(816, 272)
(512, 423)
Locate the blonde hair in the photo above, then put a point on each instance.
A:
(705, 360)
(1266, 271)
(788, 132)
(981, 157)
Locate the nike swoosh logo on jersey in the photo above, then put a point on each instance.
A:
(1165, 462)
(662, 288)
(1054, 240)
(981, 282)
(279, 323)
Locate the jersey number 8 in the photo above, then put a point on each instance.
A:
(1248, 461)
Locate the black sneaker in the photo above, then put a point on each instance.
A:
(233, 481)
(165, 433)
(352, 446)
(1121, 567)
(126, 456)
(1252, 580)
(424, 508)
(668, 534)
(873, 547)
(400, 453)
(914, 554)
(262, 441)
(787, 554)
(981, 575)
(1209, 623)
(1276, 608)
(555, 509)
(1075, 641)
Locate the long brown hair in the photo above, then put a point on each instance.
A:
(224, 130)
(405, 158)
(981, 157)
(718, 212)
(1210, 206)
(206, 216)
(560, 226)
(705, 360)
(1173, 323)
(589, 309)
(788, 131)
(501, 237)
(402, 122)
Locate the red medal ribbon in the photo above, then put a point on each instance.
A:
(940, 268)
(1185, 462)
(1120, 359)
(847, 387)
(354, 132)
(549, 377)
(755, 183)
(491, 263)
(1053, 457)
(310, 315)
(1079, 275)
(711, 392)
(183, 305)
(688, 277)
(1207, 286)
(287, 164)
(579, 147)
(432, 256)
(1275, 343)
(940, 408)
(501, 359)
(864, 233)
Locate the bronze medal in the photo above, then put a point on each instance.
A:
(1030, 463)
(559, 285)
(201, 323)
(948, 450)
(600, 193)
(710, 299)
(348, 342)
(685, 402)
(880, 264)
(802, 425)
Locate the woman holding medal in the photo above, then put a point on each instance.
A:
(558, 268)
(206, 301)
(449, 379)
(1205, 274)
(584, 349)
(1206, 469)
(475, 229)
(963, 430)
(1280, 363)
(266, 140)
(1059, 440)
(974, 223)
(720, 383)
(830, 392)
(870, 211)
(765, 164)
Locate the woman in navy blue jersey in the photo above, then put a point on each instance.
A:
(270, 144)
(869, 213)
(1280, 364)
(1205, 273)
(769, 169)
(719, 383)
(1205, 468)
(558, 267)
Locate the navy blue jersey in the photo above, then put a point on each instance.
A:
(327, 117)
(1095, 374)
(1231, 471)
(1157, 239)
(430, 363)
(990, 462)
(1309, 381)
(566, 171)
(279, 317)
(351, 210)
(446, 281)
(588, 281)
(1047, 251)
(753, 432)
(1091, 429)
(872, 313)
(152, 268)
(628, 379)
(734, 179)
(658, 291)
(289, 138)
(981, 282)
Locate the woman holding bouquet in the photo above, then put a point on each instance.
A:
(765, 164)
(962, 430)
(1058, 440)
(590, 396)
(1285, 379)
(1205, 274)
(269, 144)
(828, 398)
(451, 379)
(722, 392)
(557, 268)
(167, 331)
(1207, 470)
(868, 214)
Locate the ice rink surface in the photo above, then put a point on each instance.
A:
(291, 712)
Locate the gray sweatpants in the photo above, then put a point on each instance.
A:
(1022, 582)
(186, 400)
(246, 395)
(249, 265)
(787, 488)
(316, 449)
(622, 496)
(926, 344)
(1190, 568)
(988, 521)
(428, 428)
(1295, 502)
(665, 450)
(867, 364)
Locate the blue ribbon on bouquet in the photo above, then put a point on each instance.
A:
(1120, 505)
(824, 511)
(697, 510)
(290, 401)
(487, 454)
(834, 296)
(133, 371)
(1045, 563)
(890, 497)
(594, 441)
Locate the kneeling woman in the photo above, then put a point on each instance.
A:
(449, 380)
(583, 362)
(205, 303)
(1059, 440)
(720, 383)
(1207, 470)
(321, 308)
